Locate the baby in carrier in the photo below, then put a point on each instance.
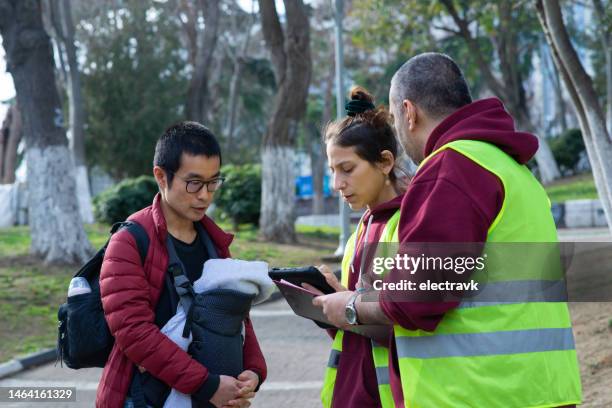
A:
(209, 318)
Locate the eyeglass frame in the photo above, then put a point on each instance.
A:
(208, 183)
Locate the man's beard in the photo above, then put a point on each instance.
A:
(412, 151)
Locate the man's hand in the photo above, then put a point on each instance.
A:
(334, 306)
(229, 389)
(247, 381)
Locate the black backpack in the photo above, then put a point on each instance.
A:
(84, 339)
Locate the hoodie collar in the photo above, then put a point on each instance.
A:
(384, 209)
(488, 121)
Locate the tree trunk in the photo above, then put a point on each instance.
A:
(232, 105)
(584, 98)
(215, 104)
(608, 53)
(239, 61)
(4, 135)
(290, 54)
(15, 133)
(55, 224)
(560, 101)
(77, 114)
(317, 160)
(319, 154)
(197, 93)
(52, 22)
(60, 25)
(317, 169)
(605, 36)
(75, 96)
(278, 193)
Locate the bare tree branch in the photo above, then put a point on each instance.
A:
(448, 30)
(463, 25)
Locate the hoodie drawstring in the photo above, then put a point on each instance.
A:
(365, 238)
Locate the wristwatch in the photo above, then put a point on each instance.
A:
(350, 311)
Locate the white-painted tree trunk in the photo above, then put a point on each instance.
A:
(278, 193)
(547, 165)
(84, 195)
(53, 211)
(54, 218)
(317, 166)
(290, 56)
(603, 151)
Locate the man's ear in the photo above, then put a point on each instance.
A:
(410, 113)
(160, 177)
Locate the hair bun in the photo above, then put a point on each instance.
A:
(361, 101)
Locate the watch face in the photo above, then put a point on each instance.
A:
(351, 315)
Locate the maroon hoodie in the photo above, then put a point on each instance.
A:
(356, 384)
(453, 199)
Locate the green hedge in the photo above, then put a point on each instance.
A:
(239, 198)
(120, 201)
(567, 149)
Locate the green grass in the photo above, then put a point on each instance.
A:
(572, 188)
(319, 232)
(30, 292)
(14, 241)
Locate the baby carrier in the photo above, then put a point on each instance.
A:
(215, 320)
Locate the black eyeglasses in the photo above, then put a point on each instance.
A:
(194, 186)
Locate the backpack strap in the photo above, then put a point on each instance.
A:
(139, 234)
(183, 286)
(181, 283)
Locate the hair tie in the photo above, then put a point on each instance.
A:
(355, 106)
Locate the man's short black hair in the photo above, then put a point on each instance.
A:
(184, 137)
(433, 82)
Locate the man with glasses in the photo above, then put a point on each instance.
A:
(144, 364)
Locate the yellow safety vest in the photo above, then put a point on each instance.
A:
(498, 354)
(380, 354)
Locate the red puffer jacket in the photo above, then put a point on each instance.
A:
(129, 296)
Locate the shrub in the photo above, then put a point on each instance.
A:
(567, 149)
(120, 201)
(239, 198)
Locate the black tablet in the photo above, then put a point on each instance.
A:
(297, 276)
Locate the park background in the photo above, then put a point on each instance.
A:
(76, 154)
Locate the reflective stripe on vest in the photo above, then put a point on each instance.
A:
(380, 354)
(488, 352)
(483, 344)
